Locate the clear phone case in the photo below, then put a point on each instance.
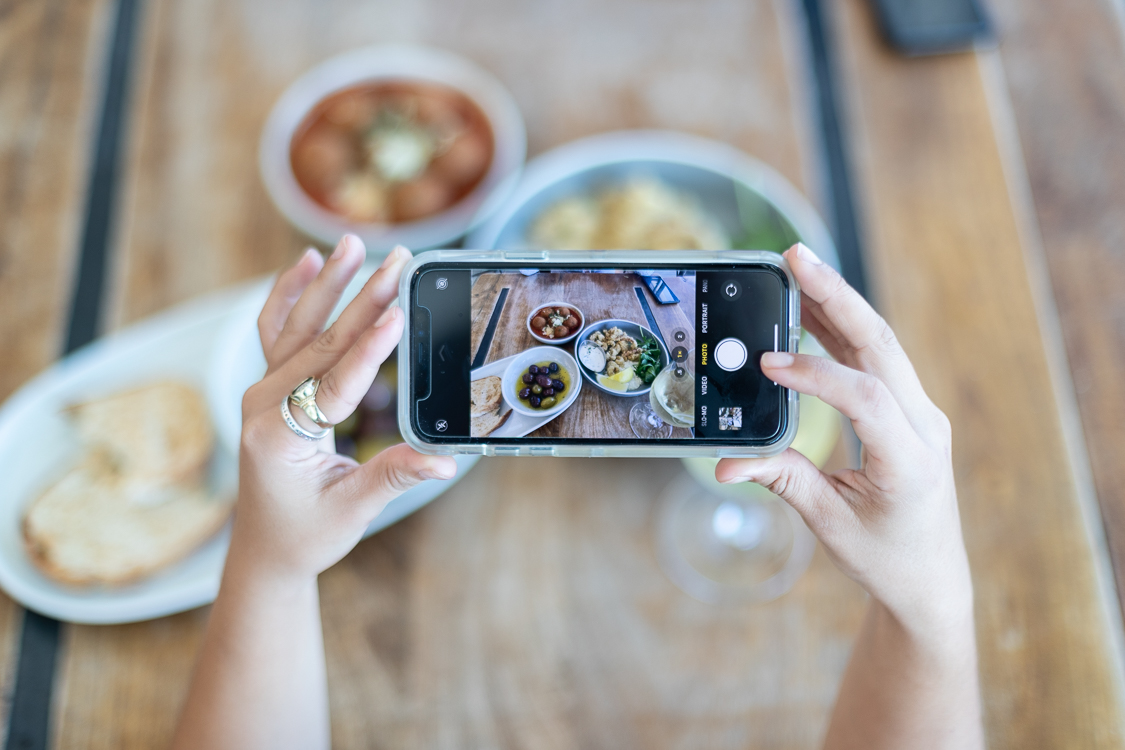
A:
(610, 258)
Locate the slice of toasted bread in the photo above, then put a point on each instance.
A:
(87, 529)
(156, 434)
(486, 424)
(486, 396)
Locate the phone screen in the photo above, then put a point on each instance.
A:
(598, 355)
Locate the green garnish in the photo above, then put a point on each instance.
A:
(649, 363)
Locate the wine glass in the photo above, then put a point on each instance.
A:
(727, 543)
(671, 403)
(744, 546)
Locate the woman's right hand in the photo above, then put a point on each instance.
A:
(893, 525)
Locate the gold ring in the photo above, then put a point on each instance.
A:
(304, 398)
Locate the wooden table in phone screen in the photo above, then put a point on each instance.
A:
(600, 296)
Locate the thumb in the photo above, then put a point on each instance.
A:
(394, 471)
(790, 476)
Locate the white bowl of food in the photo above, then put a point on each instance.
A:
(555, 323)
(620, 357)
(652, 190)
(527, 391)
(398, 144)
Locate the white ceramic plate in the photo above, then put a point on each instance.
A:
(517, 366)
(37, 446)
(703, 168)
(517, 425)
(398, 62)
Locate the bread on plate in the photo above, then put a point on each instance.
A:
(137, 500)
(486, 424)
(158, 433)
(485, 396)
(85, 529)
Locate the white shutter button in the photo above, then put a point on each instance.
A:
(730, 354)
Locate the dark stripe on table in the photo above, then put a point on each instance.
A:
(30, 717)
(640, 291)
(490, 331)
(837, 164)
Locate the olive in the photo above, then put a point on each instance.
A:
(534, 401)
(528, 378)
(524, 393)
(548, 391)
(537, 389)
(548, 402)
(558, 385)
(553, 367)
(543, 380)
(534, 370)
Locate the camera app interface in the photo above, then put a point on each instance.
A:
(615, 355)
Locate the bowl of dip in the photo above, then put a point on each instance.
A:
(397, 144)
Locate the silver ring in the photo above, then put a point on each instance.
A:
(298, 429)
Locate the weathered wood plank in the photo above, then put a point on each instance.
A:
(118, 686)
(949, 272)
(559, 629)
(594, 413)
(51, 61)
(1063, 65)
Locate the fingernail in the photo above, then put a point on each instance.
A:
(777, 360)
(341, 246)
(440, 472)
(807, 255)
(309, 252)
(392, 256)
(732, 480)
(387, 317)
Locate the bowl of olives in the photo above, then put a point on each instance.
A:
(555, 322)
(541, 382)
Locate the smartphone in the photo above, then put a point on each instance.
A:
(928, 27)
(622, 353)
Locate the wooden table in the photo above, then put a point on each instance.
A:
(525, 608)
(595, 413)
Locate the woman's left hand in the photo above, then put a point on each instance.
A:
(301, 505)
